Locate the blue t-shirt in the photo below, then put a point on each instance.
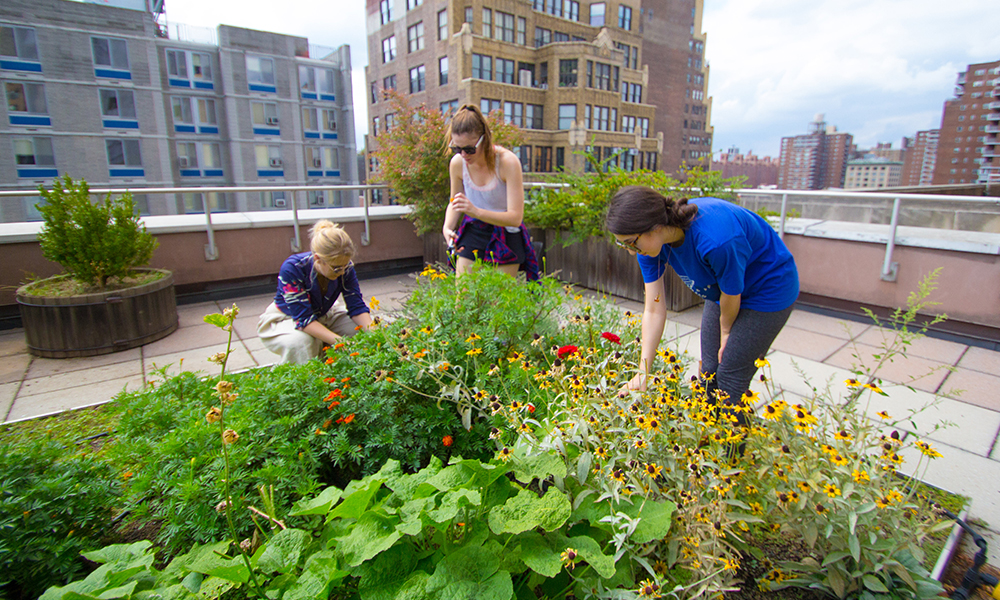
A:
(299, 295)
(732, 250)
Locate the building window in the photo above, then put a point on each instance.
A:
(624, 17)
(411, 4)
(26, 98)
(417, 79)
(505, 70)
(260, 74)
(560, 158)
(487, 27)
(443, 24)
(389, 49)
(504, 27)
(182, 110)
(195, 203)
(542, 37)
(533, 116)
(482, 67)
(597, 14)
(567, 114)
(559, 36)
(524, 156)
(117, 103)
(179, 73)
(310, 120)
(571, 10)
(374, 92)
(488, 105)
(522, 29)
(267, 157)
(385, 11)
(468, 15)
(19, 42)
(443, 70)
(124, 153)
(449, 107)
(35, 151)
(567, 72)
(110, 52)
(375, 126)
(390, 122)
(543, 159)
(389, 83)
(415, 36)
(265, 114)
(599, 76)
(513, 112)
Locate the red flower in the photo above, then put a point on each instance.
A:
(531, 407)
(333, 405)
(614, 339)
(348, 418)
(330, 379)
(565, 351)
(334, 394)
(447, 440)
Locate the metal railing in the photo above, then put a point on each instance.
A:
(889, 268)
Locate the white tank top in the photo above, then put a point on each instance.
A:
(492, 196)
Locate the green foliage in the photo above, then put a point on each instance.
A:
(577, 209)
(54, 503)
(413, 158)
(93, 242)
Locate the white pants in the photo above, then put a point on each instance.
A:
(278, 333)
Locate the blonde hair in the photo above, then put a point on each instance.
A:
(328, 240)
(469, 119)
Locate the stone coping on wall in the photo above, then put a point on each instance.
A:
(975, 242)
(12, 233)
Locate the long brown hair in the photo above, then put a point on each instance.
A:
(638, 209)
(469, 119)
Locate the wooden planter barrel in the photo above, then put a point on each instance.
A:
(101, 323)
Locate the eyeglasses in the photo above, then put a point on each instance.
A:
(337, 271)
(629, 244)
(470, 150)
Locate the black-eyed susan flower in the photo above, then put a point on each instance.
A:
(639, 443)
(874, 388)
(805, 487)
(882, 502)
(618, 475)
(504, 454)
(494, 433)
(831, 490)
(852, 383)
(652, 469)
(839, 459)
(821, 510)
(472, 338)
(843, 436)
(772, 412)
(474, 352)
(568, 558)
(860, 476)
(927, 449)
(883, 415)
(601, 453)
(426, 330)
(648, 589)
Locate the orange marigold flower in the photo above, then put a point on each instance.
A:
(329, 361)
(353, 354)
(333, 405)
(345, 380)
(338, 346)
(337, 393)
(348, 418)
(447, 441)
(327, 423)
(330, 379)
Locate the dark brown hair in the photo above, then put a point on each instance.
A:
(638, 209)
(469, 119)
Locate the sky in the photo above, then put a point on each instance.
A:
(878, 69)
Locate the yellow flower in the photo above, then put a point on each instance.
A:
(474, 351)
(883, 415)
(472, 338)
(648, 589)
(374, 303)
(772, 412)
(838, 459)
(804, 486)
(860, 476)
(426, 330)
(842, 435)
(730, 564)
(653, 469)
(505, 454)
(831, 490)
(874, 388)
(749, 396)
(852, 383)
(882, 502)
(229, 436)
(569, 557)
(760, 363)
(601, 453)
(927, 449)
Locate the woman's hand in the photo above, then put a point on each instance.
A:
(636, 383)
(450, 237)
(459, 203)
(723, 338)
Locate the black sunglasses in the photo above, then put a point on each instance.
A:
(470, 150)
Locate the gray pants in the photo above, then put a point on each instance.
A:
(278, 333)
(750, 338)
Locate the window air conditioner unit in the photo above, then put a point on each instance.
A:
(317, 163)
(183, 162)
(332, 126)
(275, 162)
(272, 120)
(279, 202)
(524, 78)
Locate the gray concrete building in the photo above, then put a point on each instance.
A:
(102, 93)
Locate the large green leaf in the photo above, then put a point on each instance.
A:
(655, 520)
(121, 553)
(356, 502)
(452, 502)
(282, 552)
(414, 588)
(539, 466)
(590, 551)
(527, 511)
(382, 577)
(319, 575)
(319, 505)
(538, 555)
(472, 572)
(212, 561)
(374, 532)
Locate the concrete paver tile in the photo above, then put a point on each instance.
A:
(690, 343)
(832, 326)
(38, 405)
(925, 347)
(253, 344)
(246, 329)
(195, 336)
(674, 330)
(189, 315)
(902, 369)
(196, 360)
(12, 342)
(42, 367)
(690, 317)
(7, 393)
(981, 389)
(785, 375)
(807, 344)
(13, 368)
(974, 429)
(250, 308)
(77, 379)
(981, 359)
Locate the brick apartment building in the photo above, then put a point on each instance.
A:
(623, 75)
(99, 92)
(872, 172)
(969, 145)
(815, 161)
(759, 171)
(918, 162)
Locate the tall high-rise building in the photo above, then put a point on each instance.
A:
(102, 93)
(918, 163)
(758, 171)
(573, 74)
(815, 161)
(969, 149)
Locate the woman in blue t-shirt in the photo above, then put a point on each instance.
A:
(726, 254)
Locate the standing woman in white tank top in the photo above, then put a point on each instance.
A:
(484, 217)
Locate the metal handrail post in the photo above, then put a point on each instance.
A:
(211, 250)
(784, 207)
(891, 269)
(366, 237)
(296, 240)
